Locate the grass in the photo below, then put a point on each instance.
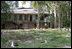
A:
(3, 42)
(55, 38)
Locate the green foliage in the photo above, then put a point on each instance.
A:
(4, 8)
(66, 22)
(3, 42)
(61, 8)
(54, 38)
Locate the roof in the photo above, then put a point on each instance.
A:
(25, 11)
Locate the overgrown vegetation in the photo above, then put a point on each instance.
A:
(28, 39)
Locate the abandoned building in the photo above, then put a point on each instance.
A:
(25, 18)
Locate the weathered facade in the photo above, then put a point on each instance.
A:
(25, 19)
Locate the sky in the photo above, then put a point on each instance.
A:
(27, 5)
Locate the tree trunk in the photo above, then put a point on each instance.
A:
(38, 22)
(50, 21)
(59, 20)
(70, 19)
(55, 18)
(38, 18)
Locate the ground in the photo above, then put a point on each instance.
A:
(34, 38)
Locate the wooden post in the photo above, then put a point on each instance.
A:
(17, 17)
(28, 17)
(23, 17)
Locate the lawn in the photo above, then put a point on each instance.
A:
(48, 38)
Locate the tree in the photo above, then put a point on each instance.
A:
(52, 7)
(23, 3)
(38, 5)
(6, 6)
(4, 9)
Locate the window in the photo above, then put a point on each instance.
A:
(30, 18)
(36, 17)
(20, 17)
(42, 18)
(25, 17)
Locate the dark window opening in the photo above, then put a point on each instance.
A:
(30, 18)
(42, 18)
(25, 17)
(3, 26)
(20, 17)
(45, 15)
(36, 17)
(35, 25)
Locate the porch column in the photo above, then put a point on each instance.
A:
(23, 17)
(28, 17)
(17, 17)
